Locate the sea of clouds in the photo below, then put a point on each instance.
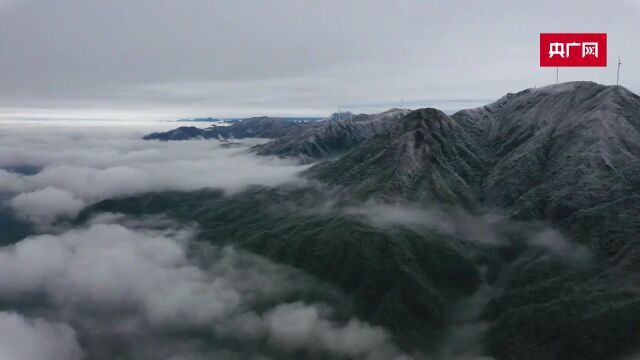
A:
(117, 287)
(50, 170)
(143, 289)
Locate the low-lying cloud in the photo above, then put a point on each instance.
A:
(25, 339)
(72, 166)
(45, 205)
(143, 289)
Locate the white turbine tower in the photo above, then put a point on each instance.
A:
(618, 74)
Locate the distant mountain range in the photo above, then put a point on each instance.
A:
(545, 187)
(232, 120)
(257, 127)
(307, 141)
(207, 120)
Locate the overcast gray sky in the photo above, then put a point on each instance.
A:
(173, 58)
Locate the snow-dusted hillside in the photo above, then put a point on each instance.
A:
(425, 156)
(566, 156)
(557, 151)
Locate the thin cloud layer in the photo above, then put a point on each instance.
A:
(490, 228)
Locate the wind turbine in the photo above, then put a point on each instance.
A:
(618, 74)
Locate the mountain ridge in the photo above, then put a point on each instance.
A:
(412, 152)
(330, 138)
(564, 158)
